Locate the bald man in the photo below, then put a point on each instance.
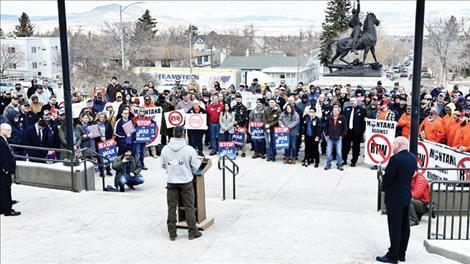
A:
(396, 183)
(7, 168)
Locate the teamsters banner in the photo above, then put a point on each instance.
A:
(379, 138)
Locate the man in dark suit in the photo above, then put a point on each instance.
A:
(396, 183)
(36, 136)
(7, 168)
(355, 116)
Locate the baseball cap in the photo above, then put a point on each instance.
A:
(118, 94)
(428, 96)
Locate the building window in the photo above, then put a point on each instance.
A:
(11, 50)
(206, 58)
(44, 63)
(199, 60)
(282, 76)
(166, 63)
(12, 65)
(33, 49)
(35, 65)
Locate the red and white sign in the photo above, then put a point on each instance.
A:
(174, 118)
(379, 138)
(196, 121)
(128, 128)
(279, 130)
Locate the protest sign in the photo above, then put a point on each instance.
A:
(156, 114)
(107, 149)
(196, 121)
(77, 108)
(94, 131)
(379, 137)
(281, 137)
(249, 99)
(174, 118)
(128, 128)
(144, 131)
(256, 130)
(239, 136)
(227, 148)
(435, 155)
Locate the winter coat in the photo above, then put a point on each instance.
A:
(433, 131)
(241, 115)
(257, 114)
(462, 137)
(291, 121)
(227, 122)
(338, 130)
(420, 188)
(120, 167)
(271, 117)
(86, 141)
(405, 123)
(314, 123)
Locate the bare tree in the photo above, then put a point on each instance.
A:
(442, 38)
(10, 56)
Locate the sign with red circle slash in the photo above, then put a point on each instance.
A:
(422, 157)
(464, 174)
(379, 149)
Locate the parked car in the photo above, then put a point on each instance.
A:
(6, 86)
(404, 74)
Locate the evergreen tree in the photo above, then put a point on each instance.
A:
(146, 26)
(336, 21)
(25, 28)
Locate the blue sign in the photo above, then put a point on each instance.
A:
(107, 149)
(227, 148)
(144, 131)
(281, 137)
(239, 136)
(256, 130)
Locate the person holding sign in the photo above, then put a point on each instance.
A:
(290, 118)
(106, 133)
(195, 135)
(227, 123)
(241, 119)
(396, 183)
(143, 134)
(124, 132)
(128, 170)
(271, 119)
(335, 129)
(256, 130)
(85, 135)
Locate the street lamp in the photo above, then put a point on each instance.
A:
(121, 9)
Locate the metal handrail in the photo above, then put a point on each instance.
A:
(72, 155)
(100, 165)
(234, 171)
(434, 209)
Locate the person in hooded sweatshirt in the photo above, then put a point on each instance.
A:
(180, 162)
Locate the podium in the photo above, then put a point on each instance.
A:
(202, 222)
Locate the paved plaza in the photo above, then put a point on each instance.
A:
(282, 214)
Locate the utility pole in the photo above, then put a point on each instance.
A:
(418, 52)
(190, 49)
(121, 31)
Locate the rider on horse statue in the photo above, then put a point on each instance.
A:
(355, 24)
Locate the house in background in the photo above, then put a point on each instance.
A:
(277, 65)
(38, 57)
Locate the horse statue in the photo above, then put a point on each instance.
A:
(366, 41)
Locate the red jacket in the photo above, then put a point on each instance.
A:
(420, 188)
(213, 111)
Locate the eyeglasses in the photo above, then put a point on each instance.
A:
(424, 103)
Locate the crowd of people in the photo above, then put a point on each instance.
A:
(322, 121)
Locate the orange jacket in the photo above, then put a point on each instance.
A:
(405, 123)
(451, 130)
(433, 131)
(462, 137)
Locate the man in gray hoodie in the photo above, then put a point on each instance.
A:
(180, 162)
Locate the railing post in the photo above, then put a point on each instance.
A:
(379, 191)
(233, 175)
(223, 178)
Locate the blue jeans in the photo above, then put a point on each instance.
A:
(226, 136)
(292, 150)
(130, 181)
(329, 151)
(214, 130)
(270, 147)
(139, 150)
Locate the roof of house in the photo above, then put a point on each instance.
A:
(263, 61)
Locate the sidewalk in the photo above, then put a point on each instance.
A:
(283, 214)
